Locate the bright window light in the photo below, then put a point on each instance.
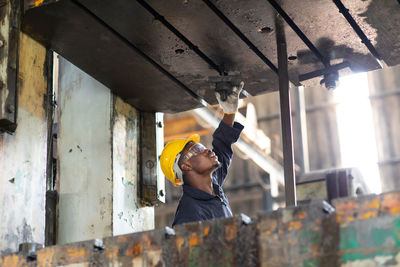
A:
(356, 128)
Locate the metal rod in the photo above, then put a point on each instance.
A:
(140, 52)
(297, 30)
(357, 29)
(240, 35)
(286, 117)
(160, 18)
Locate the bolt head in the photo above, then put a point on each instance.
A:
(10, 108)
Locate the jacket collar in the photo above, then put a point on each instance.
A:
(200, 194)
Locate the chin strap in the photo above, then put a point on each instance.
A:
(178, 171)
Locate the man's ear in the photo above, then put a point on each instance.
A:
(186, 166)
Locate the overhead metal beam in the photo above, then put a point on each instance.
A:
(175, 31)
(141, 53)
(241, 35)
(357, 29)
(297, 30)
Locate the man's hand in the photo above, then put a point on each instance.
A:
(230, 106)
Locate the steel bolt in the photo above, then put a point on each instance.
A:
(149, 164)
(159, 124)
(10, 108)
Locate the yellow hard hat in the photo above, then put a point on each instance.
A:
(169, 157)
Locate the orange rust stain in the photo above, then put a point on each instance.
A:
(374, 204)
(350, 219)
(45, 257)
(136, 249)
(391, 203)
(122, 239)
(368, 215)
(38, 2)
(179, 242)
(75, 252)
(146, 241)
(346, 207)
(395, 210)
(113, 253)
(193, 240)
(302, 215)
(266, 233)
(230, 231)
(294, 225)
(206, 230)
(338, 219)
(13, 260)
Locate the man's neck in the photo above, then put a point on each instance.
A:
(203, 183)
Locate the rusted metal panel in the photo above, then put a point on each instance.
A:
(23, 155)
(369, 230)
(9, 42)
(307, 235)
(128, 214)
(300, 236)
(85, 156)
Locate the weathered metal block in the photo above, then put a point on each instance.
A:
(366, 207)
(370, 242)
(298, 236)
(9, 41)
(223, 242)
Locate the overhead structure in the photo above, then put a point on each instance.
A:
(158, 55)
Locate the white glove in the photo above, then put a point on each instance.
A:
(231, 104)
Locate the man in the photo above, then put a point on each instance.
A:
(202, 171)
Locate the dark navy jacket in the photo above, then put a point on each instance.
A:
(198, 205)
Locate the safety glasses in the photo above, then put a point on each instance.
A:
(194, 150)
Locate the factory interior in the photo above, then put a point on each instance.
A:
(91, 91)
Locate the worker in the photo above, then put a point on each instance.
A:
(202, 171)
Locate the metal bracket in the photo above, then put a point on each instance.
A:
(151, 190)
(330, 74)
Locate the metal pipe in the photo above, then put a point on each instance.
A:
(286, 117)
(140, 52)
(240, 35)
(357, 29)
(297, 30)
(175, 31)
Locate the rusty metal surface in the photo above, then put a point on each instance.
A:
(94, 49)
(298, 236)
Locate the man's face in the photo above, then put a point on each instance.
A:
(201, 159)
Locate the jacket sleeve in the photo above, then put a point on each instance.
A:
(223, 138)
